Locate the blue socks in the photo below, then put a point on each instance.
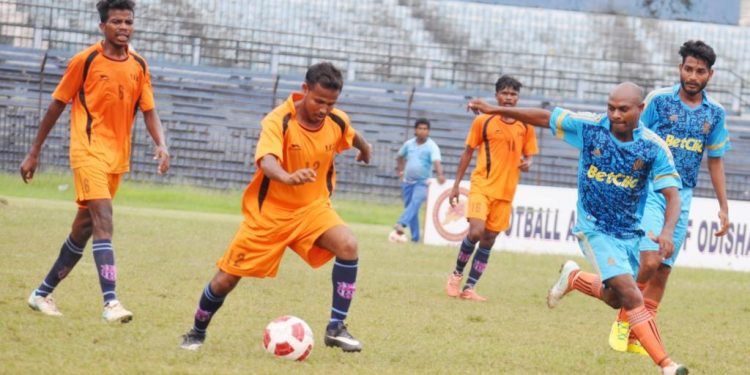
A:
(477, 267)
(467, 248)
(70, 253)
(344, 280)
(104, 257)
(208, 305)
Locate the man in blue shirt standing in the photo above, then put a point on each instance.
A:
(619, 161)
(416, 159)
(690, 122)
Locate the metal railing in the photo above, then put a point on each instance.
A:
(371, 59)
(212, 134)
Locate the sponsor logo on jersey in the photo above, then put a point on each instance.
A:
(690, 144)
(611, 178)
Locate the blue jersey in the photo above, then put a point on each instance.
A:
(419, 159)
(687, 131)
(613, 176)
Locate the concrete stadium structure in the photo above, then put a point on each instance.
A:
(215, 77)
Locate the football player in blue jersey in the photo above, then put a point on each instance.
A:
(620, 160)
(690, 122)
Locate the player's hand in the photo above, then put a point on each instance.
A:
(28, 167)
(364, 154)
(525, 165)
(453, 199)
(477, 106)
(441, 179)
(666, 244)
(301, 176)
(724, 221)
(162, 154)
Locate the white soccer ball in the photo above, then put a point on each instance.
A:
(288, 337)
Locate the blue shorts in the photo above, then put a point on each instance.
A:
(653, 222)
(610, 256)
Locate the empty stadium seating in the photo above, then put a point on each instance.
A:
(212, 116)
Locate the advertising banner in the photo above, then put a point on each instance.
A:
(543, 217)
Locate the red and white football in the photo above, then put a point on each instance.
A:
(288, 337)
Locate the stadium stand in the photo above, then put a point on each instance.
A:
(558, 54)
(215, 78)
(211, 116)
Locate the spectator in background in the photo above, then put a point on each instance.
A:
(416, 159)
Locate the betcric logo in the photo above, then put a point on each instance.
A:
(611, 178)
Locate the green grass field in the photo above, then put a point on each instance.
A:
(166, 254)
(59, 186)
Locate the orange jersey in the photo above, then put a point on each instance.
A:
(501, 146)
(105, 95)
(296, 147)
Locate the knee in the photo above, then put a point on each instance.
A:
(650, 264)
(223, 283)
(488, 240)
(348, 248)
(474, 234)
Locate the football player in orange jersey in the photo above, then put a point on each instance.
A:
(506, 146)
(106, 83)
(287, 204)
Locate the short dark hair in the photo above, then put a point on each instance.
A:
(507, 81)
(326, 75)
(104, 6)
(421, 121)
(699, 50)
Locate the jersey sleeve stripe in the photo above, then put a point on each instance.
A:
(558, 124)
(718, 146)
(653, 137)
(655, 93)
(661, 176)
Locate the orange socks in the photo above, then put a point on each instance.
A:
(643, 325)
(651, 306)
(586, 283)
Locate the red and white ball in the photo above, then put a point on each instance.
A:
(288, 337)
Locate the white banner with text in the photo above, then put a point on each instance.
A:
(543, 217)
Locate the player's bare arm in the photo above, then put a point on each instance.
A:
(665, 239)
(716, 170)
(30, 162)
(365, 149)
(526, 162)
(273, 170)
(400, 166)
(532, 116)
(161, 152)
(439, 171)
(460, 171)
